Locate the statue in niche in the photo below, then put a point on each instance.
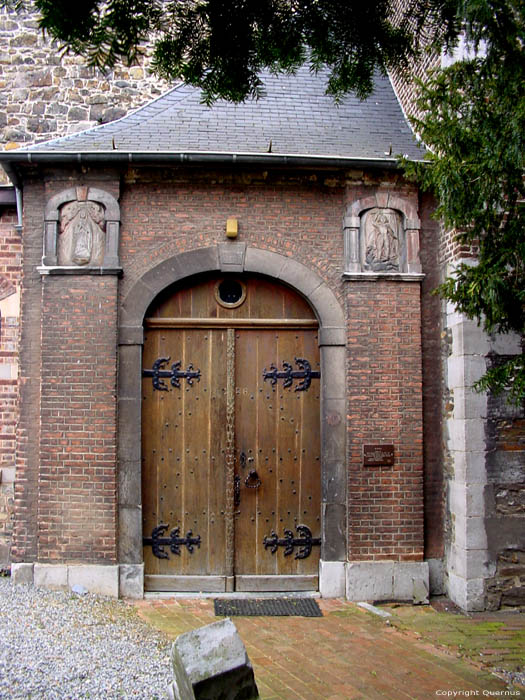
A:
(82, 238)
(382, 240)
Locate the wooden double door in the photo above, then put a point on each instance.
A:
(231, 439)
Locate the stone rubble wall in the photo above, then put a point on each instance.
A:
(505, 501)
(45, 95)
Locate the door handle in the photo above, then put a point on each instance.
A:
(252, 481)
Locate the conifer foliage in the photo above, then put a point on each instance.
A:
(473, 123)
(222, 45)
(473, 111)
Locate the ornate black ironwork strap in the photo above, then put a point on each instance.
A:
(158, 542)
(175, 374)
(236, 490)
(306, 373)
(305, 542)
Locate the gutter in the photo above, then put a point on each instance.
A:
(10, 158)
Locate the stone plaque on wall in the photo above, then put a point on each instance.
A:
(381, 238)
(81, 232)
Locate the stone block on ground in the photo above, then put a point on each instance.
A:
(213, 660)
(22, 573)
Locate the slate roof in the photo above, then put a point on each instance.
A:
(295, 118)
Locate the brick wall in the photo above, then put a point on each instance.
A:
(384, 405)
(65, 494)
(300, 216)
(71, 450)
(77, 474)
(10, 254)
(28, 430)
(166, 212)
(434, 395)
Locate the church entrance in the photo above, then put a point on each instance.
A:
(231, 467)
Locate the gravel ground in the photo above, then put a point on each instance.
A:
(58, 645)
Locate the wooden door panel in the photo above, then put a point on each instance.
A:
(183, 452)
(264, 300)
(190, 433)
(271, 425)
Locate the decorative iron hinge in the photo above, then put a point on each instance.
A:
(305, 542)
(175, 374)
(175, 542)
(306, 373)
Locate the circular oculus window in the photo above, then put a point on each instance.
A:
(230, 293)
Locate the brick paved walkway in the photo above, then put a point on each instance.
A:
(349, 654)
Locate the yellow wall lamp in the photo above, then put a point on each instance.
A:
(232, 227)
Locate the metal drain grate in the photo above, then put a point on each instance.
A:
(268, 607)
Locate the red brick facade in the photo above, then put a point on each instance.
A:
(10, 254)
(67, 430)
(384, 404)
(77, 497)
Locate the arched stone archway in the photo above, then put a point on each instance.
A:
(235, 257)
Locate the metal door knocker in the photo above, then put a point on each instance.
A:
(252, 481)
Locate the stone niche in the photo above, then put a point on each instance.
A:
(81, 232)
(381, 235)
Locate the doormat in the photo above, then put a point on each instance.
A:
(268, 607)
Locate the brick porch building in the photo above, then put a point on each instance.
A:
(233, 373)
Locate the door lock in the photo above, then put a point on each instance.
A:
(243, 460)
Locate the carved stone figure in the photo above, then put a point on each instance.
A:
(382, 229)
(81, 239)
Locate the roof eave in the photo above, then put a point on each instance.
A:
(109, 157)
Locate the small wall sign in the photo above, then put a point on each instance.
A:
(378, 455)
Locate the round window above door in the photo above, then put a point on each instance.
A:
(230, 293)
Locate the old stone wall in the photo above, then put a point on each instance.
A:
(505, 502)
(46, 94)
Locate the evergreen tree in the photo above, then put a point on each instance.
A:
(473, 123)
(222, 46)
(473, 111)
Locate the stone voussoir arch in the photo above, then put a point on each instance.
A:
(280, 267)
(332, 341)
